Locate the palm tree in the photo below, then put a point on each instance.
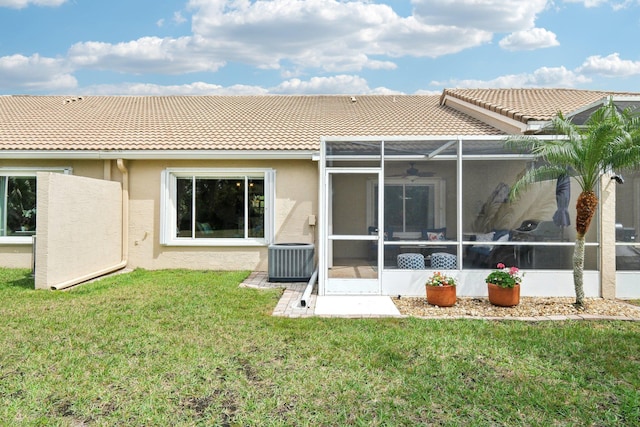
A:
(608, 141)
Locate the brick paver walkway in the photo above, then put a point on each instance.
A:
(289, 304)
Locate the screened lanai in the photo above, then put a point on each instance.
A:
(627, 224)
(393, 210)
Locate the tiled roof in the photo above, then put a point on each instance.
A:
(530, 104)
(261, 122)
(219, 122)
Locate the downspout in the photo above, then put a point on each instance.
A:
(306, 295)
(125, 212)
(125, 237)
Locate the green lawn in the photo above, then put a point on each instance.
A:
(192, 348)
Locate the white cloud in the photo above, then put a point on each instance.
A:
(196, 88)
(35, 73)
(542, 77)
(178, 18)
(20, 4)
(340, 84)
(428, 92)
(535, 38)
(410, 37)
(147, 54)
(589, 3)
(287, 35)
(623, 5)
(333, 38)
(331, 35)
(486, 15)
(610, 66)
(615, 5)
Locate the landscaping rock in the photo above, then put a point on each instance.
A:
(551, 308)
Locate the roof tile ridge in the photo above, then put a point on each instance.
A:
(472, 99)
(456, 94)
(496, 108)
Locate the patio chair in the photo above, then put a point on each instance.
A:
(488, 255)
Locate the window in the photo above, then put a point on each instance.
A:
(410, 206)
(18, 204)
(217, 207)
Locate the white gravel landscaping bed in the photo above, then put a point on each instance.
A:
(528, 308)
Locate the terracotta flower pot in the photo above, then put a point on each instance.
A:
(504, 297)
(442, 296)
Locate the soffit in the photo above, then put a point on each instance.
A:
(582, 116)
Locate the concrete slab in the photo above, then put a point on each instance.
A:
(352, 305)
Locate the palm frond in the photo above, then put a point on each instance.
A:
(609, 140)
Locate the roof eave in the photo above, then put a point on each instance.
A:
(516, 124)
(536, 126)
(160, 154)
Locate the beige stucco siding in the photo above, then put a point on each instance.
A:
(80, 167)
(20, 255)
(296, 199)
(607, 236)
(79, 228)
(15, 256)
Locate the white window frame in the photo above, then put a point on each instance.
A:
(439, 190)
(25, 172)
(168, 205)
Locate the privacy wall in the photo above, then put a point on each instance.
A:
(79, 227)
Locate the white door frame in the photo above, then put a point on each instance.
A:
(341, 286)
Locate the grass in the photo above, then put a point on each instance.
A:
(192, 348)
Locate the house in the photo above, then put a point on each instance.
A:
(92, 184)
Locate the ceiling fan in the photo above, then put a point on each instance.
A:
(413, 173)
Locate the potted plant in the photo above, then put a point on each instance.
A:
(441, 290)
(504, 286)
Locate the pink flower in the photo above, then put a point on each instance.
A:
(506, 277)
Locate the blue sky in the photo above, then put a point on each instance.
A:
(166, 47)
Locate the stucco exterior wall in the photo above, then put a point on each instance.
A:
(296, 200)
(607, 237)
(20, 255)
(15, 256)
(80, 167)
(79, 227)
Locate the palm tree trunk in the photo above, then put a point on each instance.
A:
(585, 210)
(578, 271)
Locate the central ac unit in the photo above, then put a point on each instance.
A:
(291, 262)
